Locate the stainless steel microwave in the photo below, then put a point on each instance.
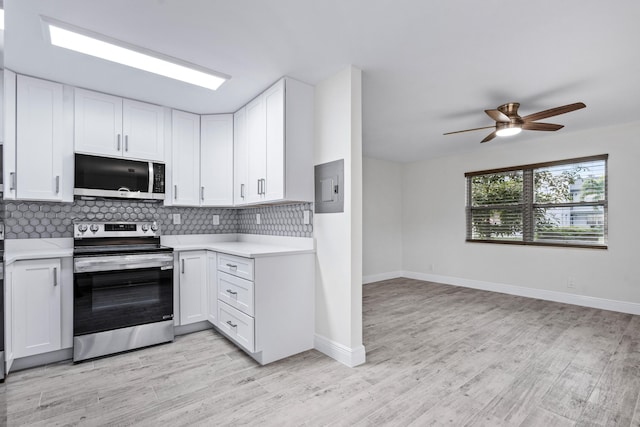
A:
(121, 178)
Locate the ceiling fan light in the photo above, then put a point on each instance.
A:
(508, 129)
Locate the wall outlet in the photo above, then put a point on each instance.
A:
(216, 219)
(258, 219)
(571, 283)
(176, 219)
(306, 217)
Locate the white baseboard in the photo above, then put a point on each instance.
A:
(343, 354)
(381, 276)
(567, 298)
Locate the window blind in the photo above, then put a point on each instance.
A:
(555, 203)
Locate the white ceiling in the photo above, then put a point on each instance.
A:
(429, 67)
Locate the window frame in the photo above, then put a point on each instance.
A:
(528, 205)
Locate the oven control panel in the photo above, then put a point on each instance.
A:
(83, 230)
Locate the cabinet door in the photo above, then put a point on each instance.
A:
(274, 111)
(186, 158)
(212, 285)
(216, 160)
(193, 287)
(98, 123)
(240, 157)
(257, 141)
(40, 140)
(36, 307)
(143, 130)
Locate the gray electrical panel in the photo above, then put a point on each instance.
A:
(329, 183)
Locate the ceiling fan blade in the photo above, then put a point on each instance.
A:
(553, 112)
(498, 116)
(490, 136)
(540, 126)
(468, 130)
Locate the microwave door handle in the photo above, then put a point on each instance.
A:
(151, 186)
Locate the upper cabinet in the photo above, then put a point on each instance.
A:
(111, 126)
(202, 159)
(274, 146)
(39, 150)
(185, 164)
(216, 160)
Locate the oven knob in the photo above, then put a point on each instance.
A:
(94, 228)
(154, 226)
(145, 227)
(82, 228)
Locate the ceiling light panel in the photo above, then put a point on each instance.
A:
(101, 47)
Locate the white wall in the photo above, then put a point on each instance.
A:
(381, 219)
(434, 222)
(338, 124)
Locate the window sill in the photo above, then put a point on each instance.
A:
(555, 245)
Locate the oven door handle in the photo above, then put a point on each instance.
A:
(92, 264)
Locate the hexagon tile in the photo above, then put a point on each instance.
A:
(25, 220)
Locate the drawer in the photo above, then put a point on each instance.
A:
(237, 325)
(236, 266)
(236, 292)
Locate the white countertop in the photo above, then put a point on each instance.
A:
(244, 245)
(23, 249)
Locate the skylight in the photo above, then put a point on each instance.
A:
(68, 37)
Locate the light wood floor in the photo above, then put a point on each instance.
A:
(436, 355)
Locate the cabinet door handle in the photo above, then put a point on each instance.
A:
(231, 324)
(119, 137)
(232, 266)
(55, 276)
(126, 143)
(57, 184)
(264, 186)
(202, 193)
(182, 261)
(242, 191)
(12, 179)
(175, 191)
(231, 292)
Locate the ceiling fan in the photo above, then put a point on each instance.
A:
(509, 122)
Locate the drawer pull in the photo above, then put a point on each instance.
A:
(231, 292)
(231, 324)
(232, 265)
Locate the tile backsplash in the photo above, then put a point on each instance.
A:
(24, 220)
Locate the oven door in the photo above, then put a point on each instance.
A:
(113, 292)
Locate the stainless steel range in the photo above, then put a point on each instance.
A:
(122, 288)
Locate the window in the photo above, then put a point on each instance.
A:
(558, 203)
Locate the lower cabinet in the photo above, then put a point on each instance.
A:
(212, 287)
(266, 304)
(39, 309)
(192, 267)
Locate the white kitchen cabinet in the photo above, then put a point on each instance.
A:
(202, 154)
(185, 131)
(216, 160)
(257, 140)
(36, 318)
(278, 130)
(39, 150)
(240, 157)
(9, 134)
(107, 125)
(266, 304)
(212, 284)
(193, 285)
